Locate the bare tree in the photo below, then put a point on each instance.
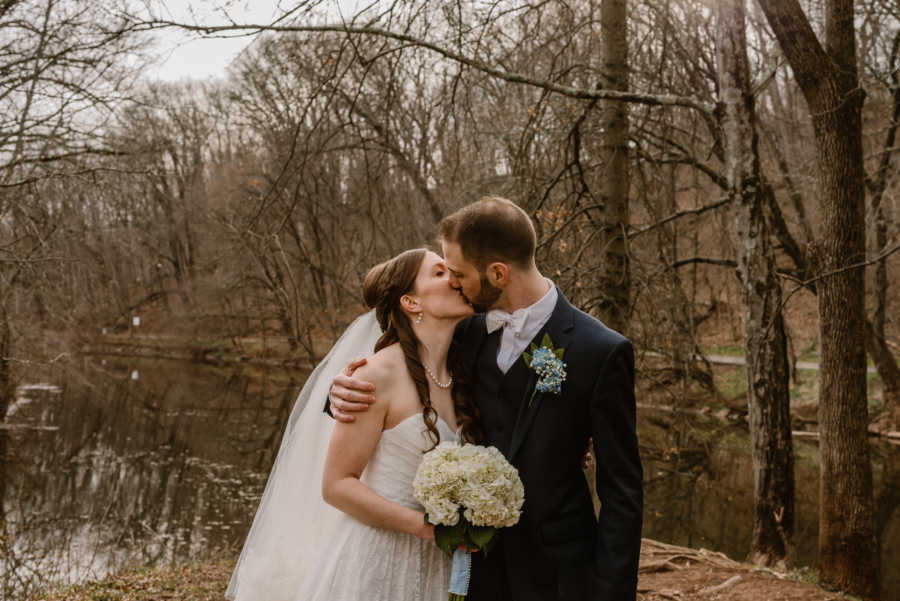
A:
(615, 184)
(166, 131)
(60, 75)
(887, 79)
(827, 77)
(766, 347)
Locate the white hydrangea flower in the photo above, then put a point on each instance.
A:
(477, 479)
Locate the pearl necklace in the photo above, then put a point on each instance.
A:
(434, 377)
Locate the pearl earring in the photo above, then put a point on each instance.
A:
(419, 317)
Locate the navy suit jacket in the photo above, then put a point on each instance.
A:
(559, 549)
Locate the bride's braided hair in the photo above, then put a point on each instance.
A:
(383, 287)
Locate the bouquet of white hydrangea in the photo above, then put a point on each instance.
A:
(468, 492)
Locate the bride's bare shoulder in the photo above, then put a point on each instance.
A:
(383, 368)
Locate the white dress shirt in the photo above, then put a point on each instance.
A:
(520, 327)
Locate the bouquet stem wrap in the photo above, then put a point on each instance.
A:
(460, 573)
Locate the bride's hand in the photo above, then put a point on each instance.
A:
(348, 394)
(426, 532)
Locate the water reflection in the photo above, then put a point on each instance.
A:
(136, 472)
(103, 471)
(699, 484)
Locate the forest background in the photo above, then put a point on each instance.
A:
(708, 177)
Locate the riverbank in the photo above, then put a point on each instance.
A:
(667, 573)
(269, 352)
(727, 370)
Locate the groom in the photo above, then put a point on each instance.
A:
(558, 550)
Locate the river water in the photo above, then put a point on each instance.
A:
(112, 463)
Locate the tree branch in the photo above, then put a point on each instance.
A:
(679, 214)
(806, 56)
(704, 260)
(66, 155)
(572, 92)
(806, 283)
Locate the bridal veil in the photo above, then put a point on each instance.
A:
(293, 524)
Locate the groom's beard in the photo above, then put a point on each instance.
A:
(487, 296)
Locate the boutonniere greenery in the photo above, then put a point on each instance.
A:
(547, 363)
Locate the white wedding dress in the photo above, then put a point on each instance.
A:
(362, 562)
(299, 548)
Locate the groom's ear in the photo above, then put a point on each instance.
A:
(498, 274)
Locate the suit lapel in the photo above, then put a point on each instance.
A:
(559, 327)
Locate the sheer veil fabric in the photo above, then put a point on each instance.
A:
(293, 523)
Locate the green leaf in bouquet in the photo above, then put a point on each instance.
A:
(449, 537)
(486, 548)
(559, 353)
(545, 341)
(482, 538)
(527, 358)
(481, 535)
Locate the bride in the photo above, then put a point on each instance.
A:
(370, 540)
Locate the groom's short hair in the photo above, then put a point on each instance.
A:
(493, 229)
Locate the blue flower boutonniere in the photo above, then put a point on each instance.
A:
(547, 363)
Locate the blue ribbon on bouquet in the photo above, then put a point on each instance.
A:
(460, 573)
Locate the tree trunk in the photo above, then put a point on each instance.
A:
(6, 587)
(888, 500)
(6, 391)
(768, 393)
(827, 77)
(615, 278)
(846, 529)
(875, 339)
(889, 372)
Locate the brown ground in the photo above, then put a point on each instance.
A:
(668, 573)
(700, 582)
(672, 573)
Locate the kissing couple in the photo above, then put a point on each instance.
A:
(456, 340)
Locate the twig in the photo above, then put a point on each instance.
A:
(679, 214)
(805, 283)
(31, 362)
(720, 587)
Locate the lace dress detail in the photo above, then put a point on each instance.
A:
(363, 562)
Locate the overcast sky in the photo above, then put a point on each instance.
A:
(181, 55)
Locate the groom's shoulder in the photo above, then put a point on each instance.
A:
(468, 328)
(595, 332)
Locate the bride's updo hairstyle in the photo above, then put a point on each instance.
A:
(384, 286)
